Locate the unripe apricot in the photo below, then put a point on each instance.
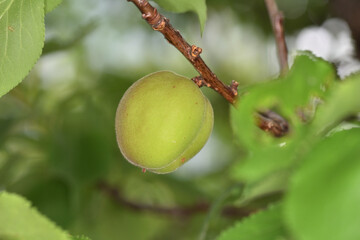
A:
(162, 121)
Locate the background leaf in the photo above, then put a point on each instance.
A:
(265, 225)
(323, 200)
(51, 4)
(343, 102)
(21, 40)
(180, 6)
(80, 238)
(295, 98)
(53, 198)
(288, 95)
(19, 221)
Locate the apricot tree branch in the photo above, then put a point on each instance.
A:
(192, 53)
(276, 18)
(178, 211)
(270, 121)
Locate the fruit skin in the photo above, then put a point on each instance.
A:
(162, 121)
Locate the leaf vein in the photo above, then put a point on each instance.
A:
(6, 35)
(6, 9)
(20, 23)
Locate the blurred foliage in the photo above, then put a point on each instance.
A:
(326, 185)
(298, 14)
(316, 162)
(295, 97)
(270, 221)
(58, 142)
(19, 221)
(80, 238)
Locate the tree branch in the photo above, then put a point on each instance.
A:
(207, 78)
(191, 53)
(276, 18)
(272, 122)
(178, 211)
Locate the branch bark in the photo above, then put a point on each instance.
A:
(177, 211)
(277, 18)
(207, 78)
(272, 122)
(192, 53)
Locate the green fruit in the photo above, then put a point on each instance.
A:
(162, 121)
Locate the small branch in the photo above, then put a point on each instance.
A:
(179, 211)
(191, 53)
(200, 81)
(270, 121)
(276, 18)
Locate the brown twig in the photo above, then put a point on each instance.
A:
(183, 211)
(270, 121)
(276, 18)
(192, 53)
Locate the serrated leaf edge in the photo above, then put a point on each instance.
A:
(37, 59)
(32, 208)
(247, 219)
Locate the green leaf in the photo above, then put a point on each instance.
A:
(270, 187)
(180, 6)
(5, 237)
(52, 196)
(343, 101)
(264, 225)
(235, 190)
(323, 200)
(262, 162)
(18, 220)
(80, 238)
(51, 4)
(308, 79)
(22, 34)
